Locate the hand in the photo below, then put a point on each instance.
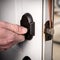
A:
(10, 34)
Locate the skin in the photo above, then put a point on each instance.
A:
(10, 34)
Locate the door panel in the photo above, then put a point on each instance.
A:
(12, 11)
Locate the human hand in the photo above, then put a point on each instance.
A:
(10, 34)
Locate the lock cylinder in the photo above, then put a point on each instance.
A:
(27, 22)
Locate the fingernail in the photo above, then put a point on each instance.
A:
(23, 39)
(24, 30)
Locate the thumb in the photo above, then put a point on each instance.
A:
(13, 27)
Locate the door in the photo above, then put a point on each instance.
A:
(12, 12)
(48, 29)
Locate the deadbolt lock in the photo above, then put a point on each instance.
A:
(27, 21)
(48, 31)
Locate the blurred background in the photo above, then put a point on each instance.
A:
(56, 37)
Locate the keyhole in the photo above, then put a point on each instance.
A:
(26, 58)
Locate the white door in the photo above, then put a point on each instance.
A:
(12, 11)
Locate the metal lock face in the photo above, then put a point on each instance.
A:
(48, 31)
(27, 21)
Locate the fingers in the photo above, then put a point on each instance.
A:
(13, 27)
(19, 38)
(17, 29)
(5, 42)
(5, 47)
(14, 35)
